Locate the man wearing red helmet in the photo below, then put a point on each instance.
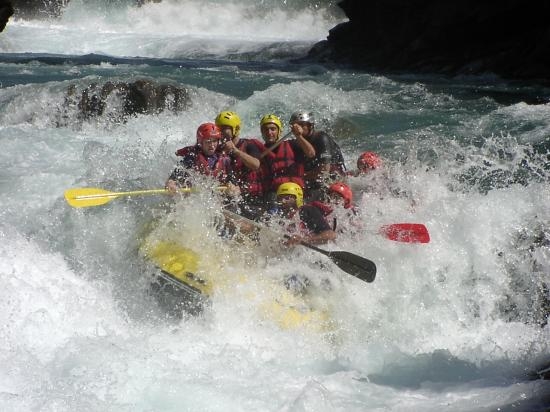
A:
(342, 192)
(341, 209)
(203, 157)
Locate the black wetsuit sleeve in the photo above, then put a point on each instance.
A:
(322, 153)
(313, 219)
(327, 151)
(299, 155)
(323, 148)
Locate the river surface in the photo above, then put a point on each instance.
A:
(456, 324)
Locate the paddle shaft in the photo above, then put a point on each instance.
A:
(348, 262)
(91, 196)
(132, 193)
(275, 145)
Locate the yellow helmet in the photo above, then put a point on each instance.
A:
(271, 118)
(290, 188)
(230, 119)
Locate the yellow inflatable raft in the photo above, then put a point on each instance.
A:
(185, 283)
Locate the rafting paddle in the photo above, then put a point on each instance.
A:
(91, 196)
(348, 262)
(275, 145)
(355, 265)
(406, 232)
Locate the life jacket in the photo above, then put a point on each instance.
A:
(281, 167)
(194, 158)
(250, 181)
(325, 209)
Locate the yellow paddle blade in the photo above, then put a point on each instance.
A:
(88, 196)
(92, 196)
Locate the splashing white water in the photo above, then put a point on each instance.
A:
(456, 322)
(167, 29)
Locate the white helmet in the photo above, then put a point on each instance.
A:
(302, 116)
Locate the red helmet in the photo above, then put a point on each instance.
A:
(368, 160)
(343, 190)
(208, 131)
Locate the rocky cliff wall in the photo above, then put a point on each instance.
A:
(510, 38)
(6, 11)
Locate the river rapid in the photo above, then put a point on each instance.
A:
(456, 324)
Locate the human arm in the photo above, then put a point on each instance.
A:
(171, 185)
(305, 145)
(313, 239)
(177, 179)
(319, 230)
(249, 157)
(244, 225)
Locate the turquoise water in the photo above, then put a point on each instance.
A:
(455, 324)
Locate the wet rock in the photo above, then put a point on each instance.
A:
(510, 38)
(142, 2)
(118, 101)
(49, 8)
(37, 9)
(6, 11)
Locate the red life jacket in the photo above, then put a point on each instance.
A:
(194, 158)
(281, 167)
(250, 181)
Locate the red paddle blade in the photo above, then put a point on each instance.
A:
(406, 232)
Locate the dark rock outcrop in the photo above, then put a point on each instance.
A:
(510, 38)
(49, 8)
(142, 2)
(36, 8)
(118, 101)
(6, 11)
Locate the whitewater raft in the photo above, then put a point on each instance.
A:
(185, 282)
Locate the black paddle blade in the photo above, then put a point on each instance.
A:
(355, 265)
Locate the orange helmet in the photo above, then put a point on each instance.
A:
(369, 160)
(344, 191)
(208, 131)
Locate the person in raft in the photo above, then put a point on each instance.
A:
(202, 157)
(302, 222)
(244, 155)
(283, 160)
(328, 164)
